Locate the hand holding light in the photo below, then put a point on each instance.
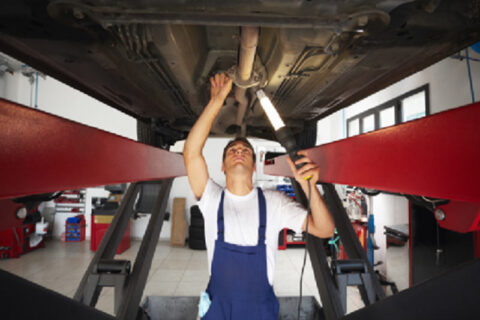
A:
(283, 134)
(304, 169)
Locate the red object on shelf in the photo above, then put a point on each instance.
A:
(361, 229)
(100, 224)
(285, 243)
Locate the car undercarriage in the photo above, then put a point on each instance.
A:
(152, 59)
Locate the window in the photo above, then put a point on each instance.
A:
(353, 127)
(409, 106)
(413, 107)
(368, 123)
(387, 117)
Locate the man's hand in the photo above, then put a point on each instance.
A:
(309, 170)
(220, 87)
(320, 222)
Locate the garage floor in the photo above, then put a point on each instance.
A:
(175, 271)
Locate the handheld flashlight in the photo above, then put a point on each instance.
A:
(282, 132)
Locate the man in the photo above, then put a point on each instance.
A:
(242, 223)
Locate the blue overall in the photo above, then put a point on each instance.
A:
(239, 287)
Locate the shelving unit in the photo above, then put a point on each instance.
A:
(69, 204)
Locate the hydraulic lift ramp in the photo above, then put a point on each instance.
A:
(384, 161)
(437, 157)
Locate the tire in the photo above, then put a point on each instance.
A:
(195, 211)
(197, 222)
(196, 218)
(145, 134)
(196, 233)
(197, 244)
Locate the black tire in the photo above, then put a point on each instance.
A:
(197, 244)
(197, 222)
(196, 218)
(195, 211)
(196, 233)
(145, 134)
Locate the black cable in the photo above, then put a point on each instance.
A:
(470, 75)
(306, 244)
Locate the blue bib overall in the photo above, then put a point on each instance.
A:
(238, 286)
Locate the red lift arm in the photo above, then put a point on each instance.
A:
(437, 156)
(41, 153)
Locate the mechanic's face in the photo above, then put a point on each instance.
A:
(239, 157)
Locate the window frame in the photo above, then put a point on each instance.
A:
(396, 103)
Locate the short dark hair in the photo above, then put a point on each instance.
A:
(244, 141)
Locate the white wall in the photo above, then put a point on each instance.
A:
(449, 88)
(59, 99)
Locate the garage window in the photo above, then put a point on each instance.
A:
(409, 106)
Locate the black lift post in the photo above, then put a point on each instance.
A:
(104, 270)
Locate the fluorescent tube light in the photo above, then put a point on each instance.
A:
(270, 110)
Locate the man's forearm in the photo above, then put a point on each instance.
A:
(322, 220)
(201, 129)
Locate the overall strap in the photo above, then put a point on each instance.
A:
(262, 210)
(220, 225)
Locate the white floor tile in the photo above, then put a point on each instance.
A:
(174, 272)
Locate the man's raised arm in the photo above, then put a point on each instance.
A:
(192, 151)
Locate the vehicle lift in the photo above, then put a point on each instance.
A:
(436, 157)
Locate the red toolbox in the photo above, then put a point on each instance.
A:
(100, 224)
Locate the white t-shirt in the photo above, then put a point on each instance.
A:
(241, 219)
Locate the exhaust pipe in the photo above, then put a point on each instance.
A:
(248, 48)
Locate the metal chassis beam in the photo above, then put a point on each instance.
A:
(108, 16)
(41, 153)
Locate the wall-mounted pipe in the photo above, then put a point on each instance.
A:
(248, 47)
